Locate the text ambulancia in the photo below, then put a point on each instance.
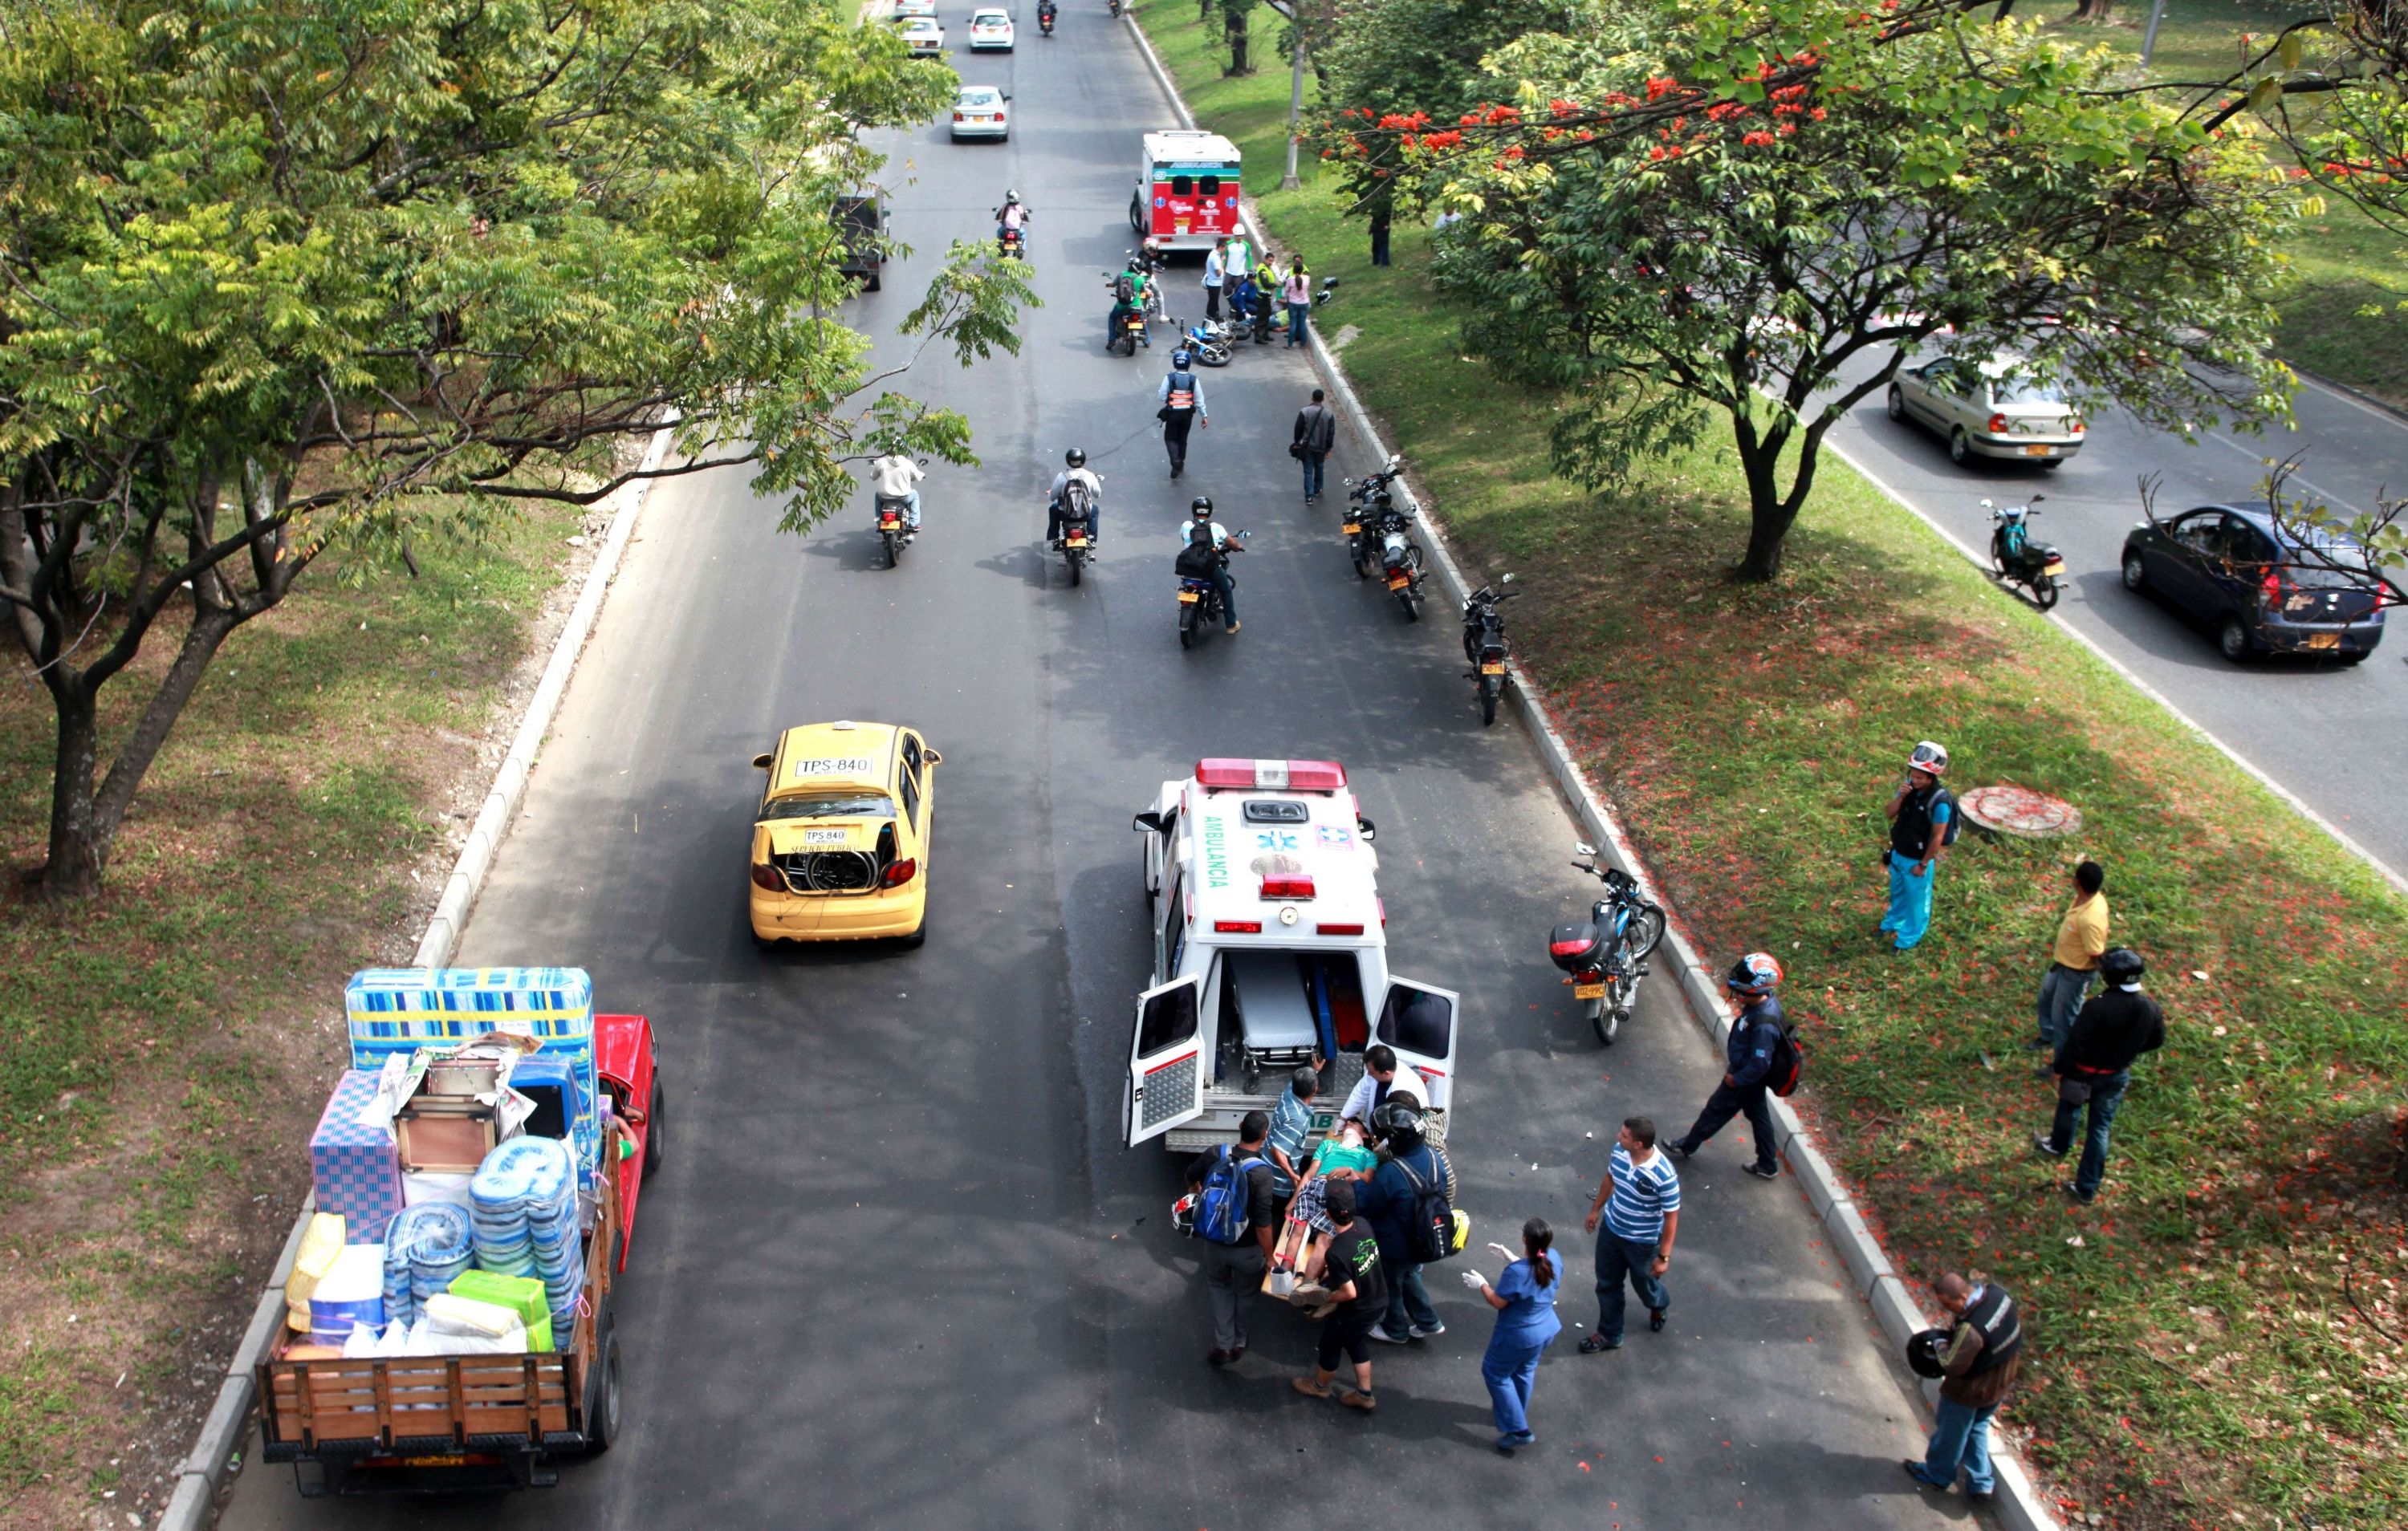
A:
(1270, 947)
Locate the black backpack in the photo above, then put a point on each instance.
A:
(1429, 1228)
(1788, 1062)
(1955, 814)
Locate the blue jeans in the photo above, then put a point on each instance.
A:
(910, 507)
(1510, 1368)
(1313, 461)
(2060, 997)
(1618, 1258)
(1960, 1440)
(1228, 589)
(1053, 519)
(1409, 1302)
(2105, 1095)
(1910, 900)
(1296, 321)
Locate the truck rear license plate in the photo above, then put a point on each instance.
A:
(434, 1460)
(1492, 670)
(2324, 640)
(2038, 451)
(1188, 597)
(1588, 991)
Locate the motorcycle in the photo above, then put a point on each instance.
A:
(893, 532)
(1012, 243)
(1483, 644)
(1366, 497)
(1078, 542)
(2016, 559)
(1604, 959)
(1126, 330)
(1199, 603)
(1116, 6)
(1401, 557)
(1205, 340)
(1045, 19)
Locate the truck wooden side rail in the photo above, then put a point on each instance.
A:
(447, 1423)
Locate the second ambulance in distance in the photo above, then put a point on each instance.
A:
(1269, 946)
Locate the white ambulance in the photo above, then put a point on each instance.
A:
(1270, 947)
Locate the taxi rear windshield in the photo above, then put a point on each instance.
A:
(830, 804)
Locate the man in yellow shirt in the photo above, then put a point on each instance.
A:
(2081, 938)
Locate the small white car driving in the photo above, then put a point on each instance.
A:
(981, 111)
(990, 29)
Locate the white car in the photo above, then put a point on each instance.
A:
(990, 29)
(921, 36)
(1994, 408)
(981, 111)
(915, 7)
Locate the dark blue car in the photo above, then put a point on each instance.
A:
(2255, 586)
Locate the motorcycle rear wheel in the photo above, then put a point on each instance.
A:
(1078, 567)
(1187, 627)
(1412, 606)
(893, 549)
(1604, 1017)
(1491, 687)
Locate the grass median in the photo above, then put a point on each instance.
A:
(2213, 1339)
(165, 1046)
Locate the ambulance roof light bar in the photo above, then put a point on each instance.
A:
(1219, 773)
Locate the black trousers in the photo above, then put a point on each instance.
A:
(1213, 300)
(1174, 436)
(1728, 1101)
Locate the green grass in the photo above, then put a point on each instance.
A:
(163, 1047)
(2198, 1357)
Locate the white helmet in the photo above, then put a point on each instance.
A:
(1929, 757)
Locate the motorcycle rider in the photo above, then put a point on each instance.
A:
(1045, 14)
(895, 477)
(1011, 218)
(1075, 471)
(1128, 299)
(1205, 555)
(1182, 397)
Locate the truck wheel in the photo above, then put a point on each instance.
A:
(602, 1414)
(653, 1130)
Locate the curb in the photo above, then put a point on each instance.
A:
(216, 1447)
(2020, 1506)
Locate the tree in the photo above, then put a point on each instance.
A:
(2367, 551)
(288, 276)
(1757, 215)
(1236, 19)
(2092, 12)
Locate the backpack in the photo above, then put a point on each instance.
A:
(1429, 1227)
(1074, 500)
(1788, 1062)
(1955, 814)
(1124, 288)
(1221, 1207)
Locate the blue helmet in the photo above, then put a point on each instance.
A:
(1180, 359)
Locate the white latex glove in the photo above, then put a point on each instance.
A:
(1475, 1281)
(1509, 1254)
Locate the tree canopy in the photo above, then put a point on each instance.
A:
(287, 275)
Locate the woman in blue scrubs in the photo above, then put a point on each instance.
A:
(1525, 1300)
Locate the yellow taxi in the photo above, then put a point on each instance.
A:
(840, 845)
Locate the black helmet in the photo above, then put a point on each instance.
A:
(1926, 1351)
(1200, 507)
(2122, 965)
(1399, 1122)
(1075, 457)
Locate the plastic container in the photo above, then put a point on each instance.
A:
(350, 1295)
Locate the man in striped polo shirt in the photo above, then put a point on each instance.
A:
(1640, 1199)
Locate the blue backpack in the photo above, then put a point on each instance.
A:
(1221, 1207)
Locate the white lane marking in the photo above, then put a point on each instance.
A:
(2260, 458)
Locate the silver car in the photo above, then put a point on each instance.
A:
(1994, 408)
(922, 36)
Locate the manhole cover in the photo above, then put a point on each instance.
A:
(2021, 811)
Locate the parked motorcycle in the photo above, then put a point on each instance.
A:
(1483, 644)
(2018, 559)
(1604, 959)
(894, 533)
(1401, 557)
(1200, 604)
(1366, 497)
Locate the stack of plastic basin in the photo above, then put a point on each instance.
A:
(522, 1206)
(427, 1247)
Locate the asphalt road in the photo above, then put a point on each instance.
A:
(898, 1269)
(2332, 735)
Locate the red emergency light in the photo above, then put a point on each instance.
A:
(1287, 887)
(1237, 927)
(1217, 773)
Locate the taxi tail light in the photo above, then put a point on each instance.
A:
(1995, 425)
(900, 872)
(766, 876)
(1287, 887)
(1217, 773)
(1337, 930)
(1237, 927)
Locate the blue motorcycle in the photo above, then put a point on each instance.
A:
(1205, 340)
(1604, 959)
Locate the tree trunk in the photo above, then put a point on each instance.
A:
(1236, 30)
(2092, 11)
(1770, 513)
(77, 846)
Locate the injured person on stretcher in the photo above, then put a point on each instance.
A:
(1294, 1272)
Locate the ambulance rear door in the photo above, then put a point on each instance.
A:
(1419, 1023)
(1165, 1082)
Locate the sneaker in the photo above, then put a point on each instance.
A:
(1656, 1319)
(1914, 1471)
(1595, 1343)
(1233, 627)
(1508, 1445)
(1363, 1401)
(1379, 1332)
(1431, 1333)
(2042, 1145)
(2085, 1197)
(1765, 1172)
(1309, 1387)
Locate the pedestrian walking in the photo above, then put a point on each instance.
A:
(1297, 293)
(1922, 824)
(1380, 218)
(1413, 1166)
(2074, 961)
(1753, 1038)
(1359, 1294)
(1292, 1124)
(1233, 1269)
(2094, 1067)
(1636, 1216)
(1524, 1299)
(1316, 434)
(1216, 269)
(1985, 1341)
(1182, 397)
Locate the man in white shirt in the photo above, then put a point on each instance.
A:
(1383, 1075)
(1075, 470)
(1216, 270)
(895, 477)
